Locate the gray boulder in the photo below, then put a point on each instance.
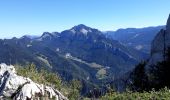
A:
(22, 88)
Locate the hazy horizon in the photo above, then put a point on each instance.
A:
(32, 17)
(39, 34)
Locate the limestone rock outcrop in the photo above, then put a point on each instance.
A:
(22, 88)
(160, 44)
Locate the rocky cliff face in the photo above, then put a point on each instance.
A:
(21, 88)
(160, 44)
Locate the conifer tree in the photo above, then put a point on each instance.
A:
(139, 79)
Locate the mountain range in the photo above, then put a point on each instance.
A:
(81, 52)
(137, 38)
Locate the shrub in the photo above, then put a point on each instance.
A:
(69, 89)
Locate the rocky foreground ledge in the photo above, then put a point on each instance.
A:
(22, 88)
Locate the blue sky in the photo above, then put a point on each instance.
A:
(19, 17)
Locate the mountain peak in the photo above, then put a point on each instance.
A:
(28, 37)
(46, 35)
(81, 28)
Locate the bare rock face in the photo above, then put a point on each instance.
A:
(168, 25)
(157, 48)
(21, 88)
(160, 44)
